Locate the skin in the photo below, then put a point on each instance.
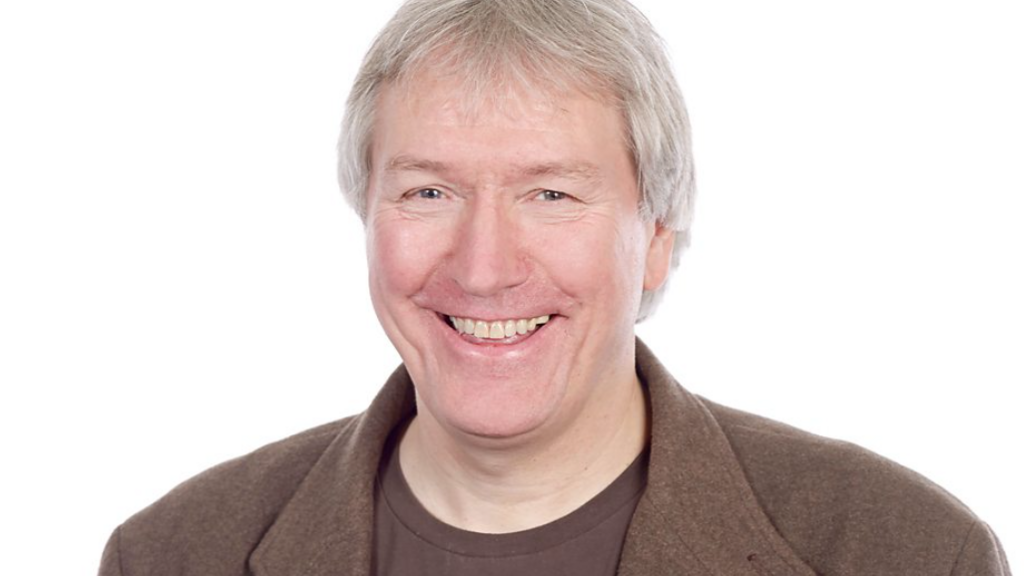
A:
(524, 206)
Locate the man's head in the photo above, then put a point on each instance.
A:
(605, 48)
(522, 186)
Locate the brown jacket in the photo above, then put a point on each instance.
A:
(728, 494)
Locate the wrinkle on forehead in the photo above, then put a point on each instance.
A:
(505, 100)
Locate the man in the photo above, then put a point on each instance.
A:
(524, 174)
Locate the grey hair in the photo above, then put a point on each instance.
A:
(605, 47)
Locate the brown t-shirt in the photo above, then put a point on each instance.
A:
(408, 541)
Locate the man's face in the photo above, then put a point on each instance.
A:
(504, 216)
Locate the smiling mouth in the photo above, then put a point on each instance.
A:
(494, 332)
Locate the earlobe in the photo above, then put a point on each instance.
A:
(659, 257)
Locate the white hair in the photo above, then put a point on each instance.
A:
(603, 47)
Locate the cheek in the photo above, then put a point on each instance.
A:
(400, 256)
(600, 258)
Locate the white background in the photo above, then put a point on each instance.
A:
(181, 282)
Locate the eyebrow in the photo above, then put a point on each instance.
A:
(576, 170)
(572, 171)
(411, 164)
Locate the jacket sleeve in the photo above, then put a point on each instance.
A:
(110, 564)
(981, 555)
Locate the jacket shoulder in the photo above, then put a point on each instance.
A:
(210, 523)
(844, 509)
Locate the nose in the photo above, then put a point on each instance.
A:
(487, 256)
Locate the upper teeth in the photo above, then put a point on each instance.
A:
(499, 329)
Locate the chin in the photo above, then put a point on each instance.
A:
(498, 409)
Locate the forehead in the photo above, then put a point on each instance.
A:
(455, 99)
(428, 116)
(501, 85)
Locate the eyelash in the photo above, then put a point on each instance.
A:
(436, 194)
(420, 194)
(546, 195)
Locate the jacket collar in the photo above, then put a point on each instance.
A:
(698, 514)
(327, 527)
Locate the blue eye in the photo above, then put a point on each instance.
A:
(429, 194)
(552, 195)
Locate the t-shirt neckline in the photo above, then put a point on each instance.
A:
(402, 503)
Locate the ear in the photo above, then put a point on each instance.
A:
(659, 257)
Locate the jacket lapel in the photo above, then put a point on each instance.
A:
(327, 527)
(698, 514)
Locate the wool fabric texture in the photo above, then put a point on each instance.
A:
(728, 493)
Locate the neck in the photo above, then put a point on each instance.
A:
(507, 485)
